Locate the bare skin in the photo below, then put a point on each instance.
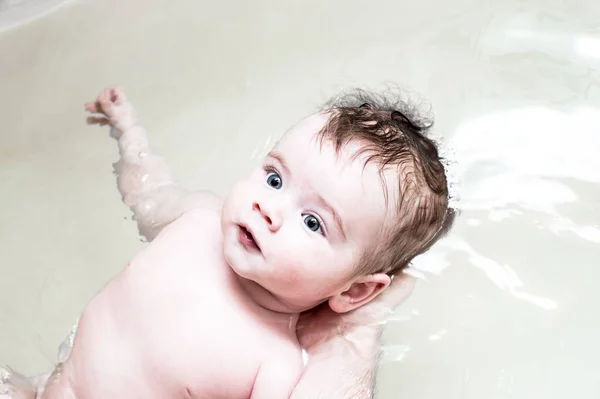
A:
(343, 351)
(155, 321)
(179, 312)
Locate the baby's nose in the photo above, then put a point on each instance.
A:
(269, 214)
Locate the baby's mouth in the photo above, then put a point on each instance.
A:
(247, 239)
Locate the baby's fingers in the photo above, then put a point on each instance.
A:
(97, 120)
(117, 95)
(113, 95)
(93, 107)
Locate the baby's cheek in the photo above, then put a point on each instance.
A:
(289, 268)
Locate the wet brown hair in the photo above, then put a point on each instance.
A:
(395, 135)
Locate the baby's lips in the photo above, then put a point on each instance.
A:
(255, 239)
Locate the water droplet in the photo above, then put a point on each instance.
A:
(438, 336)
(142, 155)
(394, 353)
(147, 206)
(144, 178)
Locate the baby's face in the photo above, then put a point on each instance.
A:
(296, 227)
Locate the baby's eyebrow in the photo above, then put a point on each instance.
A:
(335, 215)
(279, 158)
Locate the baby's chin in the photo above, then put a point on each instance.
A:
(267, 290)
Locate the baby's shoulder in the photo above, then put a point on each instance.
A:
(192, 227)
(200, 220)
(201, 215)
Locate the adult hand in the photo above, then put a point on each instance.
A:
(322, 325)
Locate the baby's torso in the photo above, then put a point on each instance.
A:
(175, 324)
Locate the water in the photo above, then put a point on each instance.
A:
(506, 305)
(16, 12)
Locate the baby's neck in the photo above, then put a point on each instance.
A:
(267, 301)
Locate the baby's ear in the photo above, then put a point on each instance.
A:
(362, 290)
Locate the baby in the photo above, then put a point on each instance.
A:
(345, 200)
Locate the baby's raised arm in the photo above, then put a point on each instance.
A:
(143, 177)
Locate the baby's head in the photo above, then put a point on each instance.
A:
(345, 200)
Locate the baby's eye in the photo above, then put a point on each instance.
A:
(313, 223)
(274, 180)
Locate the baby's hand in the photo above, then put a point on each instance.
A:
(116, 110)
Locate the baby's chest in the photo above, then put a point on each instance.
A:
(188, 317)
(203, 341)
(201, 345)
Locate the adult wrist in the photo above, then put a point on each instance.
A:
(359, 341)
